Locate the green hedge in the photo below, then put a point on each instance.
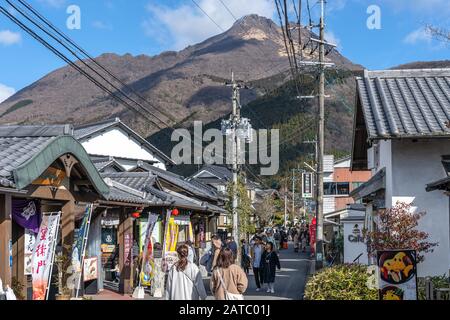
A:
(341, 282)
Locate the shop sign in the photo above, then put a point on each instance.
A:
(356, 235)
(397, 274)
(26, 214)
(127, 248)
(43, 255)
(30, 239)
(148, 266)
(307, 185)
(90, 269)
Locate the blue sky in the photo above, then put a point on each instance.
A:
(151, 26)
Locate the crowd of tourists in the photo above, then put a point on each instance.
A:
(228, 280)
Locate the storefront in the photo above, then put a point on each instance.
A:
(44, 172)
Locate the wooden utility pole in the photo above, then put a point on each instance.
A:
(321, 142)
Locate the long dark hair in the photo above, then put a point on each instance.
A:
(183, 252)
(225, 259)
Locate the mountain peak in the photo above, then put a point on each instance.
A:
(252, 21)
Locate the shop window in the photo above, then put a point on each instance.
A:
(343, 188)
(329, 188)
(336, 188)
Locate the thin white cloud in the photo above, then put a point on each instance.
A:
(5, 92)
(418, 35)
(102, 25)
(331, 38)
(8, 37)
(186, 24)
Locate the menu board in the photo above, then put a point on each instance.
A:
(397, 274)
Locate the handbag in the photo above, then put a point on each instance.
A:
(228, 295)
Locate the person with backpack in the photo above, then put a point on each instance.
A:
(269, 263)
(209, 259)
(184, 281)
(228, 280)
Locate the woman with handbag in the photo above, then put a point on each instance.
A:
(185, 281)
(228, 280)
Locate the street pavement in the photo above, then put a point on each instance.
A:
(289, 282)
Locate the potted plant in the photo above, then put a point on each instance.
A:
(63, 263)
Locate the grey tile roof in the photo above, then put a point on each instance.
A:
(405, 103)
(132, 187)
(175, 179)
(86, 131)
(103, 163)
(221, 172)
(14, 151)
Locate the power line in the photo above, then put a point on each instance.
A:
(208, 16)
(67, 60)
(86, 54)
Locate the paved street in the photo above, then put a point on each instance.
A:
(290, 280)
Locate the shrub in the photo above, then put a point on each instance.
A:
(439, 282)
(341, 282)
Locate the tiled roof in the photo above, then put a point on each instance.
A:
(132, 187)
(195, 188)
(16, 151)
(84, 132)
(406, 103)
(27, 151)
(103, 163)
(221, 172)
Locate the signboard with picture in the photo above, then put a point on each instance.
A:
(90, 269)
(397, 274)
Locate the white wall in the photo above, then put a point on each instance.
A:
(414, 165)
(117, 143)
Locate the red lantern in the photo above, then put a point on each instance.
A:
(175, 212)
(136, 215)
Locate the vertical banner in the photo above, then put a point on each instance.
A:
(30, 240)
(307, 185)
(43, 255)
(147, 266)
(397, 274)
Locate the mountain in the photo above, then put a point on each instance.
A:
(186, 85)
(424, 65)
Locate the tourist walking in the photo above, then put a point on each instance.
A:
(184, 281)
(303, 241)
(228, 280)
(232, 245)
(269, 263)
(191, 256)
(245, 256)
(257, 251)
(209, 260)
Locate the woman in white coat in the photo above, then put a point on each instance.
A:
(185, 281)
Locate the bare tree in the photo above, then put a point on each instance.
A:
(438, 33)
(265, 210)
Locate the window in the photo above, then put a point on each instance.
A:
(336, 188)
(356, 185)
(343, 188)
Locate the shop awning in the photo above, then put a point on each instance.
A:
(443, 184)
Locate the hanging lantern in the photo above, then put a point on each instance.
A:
(175, 212)
(136, 215)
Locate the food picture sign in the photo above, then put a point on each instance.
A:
(397, 274)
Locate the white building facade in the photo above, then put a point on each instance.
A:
(401, 135)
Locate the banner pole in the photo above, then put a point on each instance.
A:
(83, 254)
(49, 279)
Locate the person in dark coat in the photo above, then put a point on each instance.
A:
(269, 263)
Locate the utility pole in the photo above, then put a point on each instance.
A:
(285, 210)
(321, 140)
(293, 193)
(237, 129)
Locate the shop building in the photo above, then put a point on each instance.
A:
(402, 134)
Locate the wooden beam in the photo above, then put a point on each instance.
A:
(126, 253)
(68, 224)
(5, 238)
(18, 251)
